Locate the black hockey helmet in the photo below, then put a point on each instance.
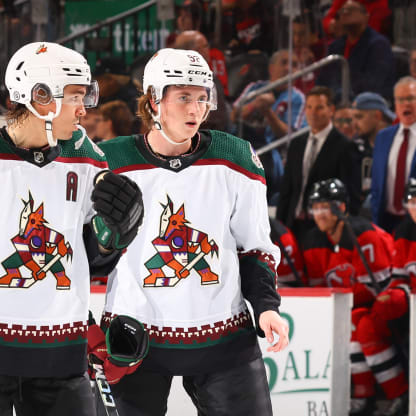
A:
(328, 190)
(409, 190)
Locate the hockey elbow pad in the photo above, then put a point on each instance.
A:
(119, 205)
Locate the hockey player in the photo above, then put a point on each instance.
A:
(290, 270)
(404, 258)
(332, 259)
(48, 248)
(206, 212)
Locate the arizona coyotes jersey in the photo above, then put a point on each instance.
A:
(340, 265)
(181, 275)
(404, 258)
(44, 271)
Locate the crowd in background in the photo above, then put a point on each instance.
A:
(366, 142)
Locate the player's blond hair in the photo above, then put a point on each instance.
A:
(144, 109)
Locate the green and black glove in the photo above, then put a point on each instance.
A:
(119, 205)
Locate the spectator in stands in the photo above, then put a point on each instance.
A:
(189, 16)
(251, 25)
(305, 36)
(303, 53)
(343, 121)
(378, 11)
(368, 53)
(116, 83)
(320, 154)
(90, 122)
(370, 115)
(116, 120)
(266, 117)
(332, 259)
(412, 63)
(394, 158)
(194, 40)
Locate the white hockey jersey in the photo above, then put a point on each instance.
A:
(205, 214)
(44, 272)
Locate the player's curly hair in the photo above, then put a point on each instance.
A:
(144, 109)
(17, 113)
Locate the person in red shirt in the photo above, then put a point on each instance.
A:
(333, 258)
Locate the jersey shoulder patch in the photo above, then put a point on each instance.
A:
(225, 146)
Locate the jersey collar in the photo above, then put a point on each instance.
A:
(39, 157)
(175, 163)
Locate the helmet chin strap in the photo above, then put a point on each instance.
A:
(48, 120)
(158, 125)
(80, 141)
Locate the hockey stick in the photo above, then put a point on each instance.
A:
(276, 236)
(196, 259)
(105, 390)
(341, 216)
(29, 281)
(189, 266)
(46, 268)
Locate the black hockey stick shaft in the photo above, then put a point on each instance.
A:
(336, 211)
(104, 390)
(276, 236)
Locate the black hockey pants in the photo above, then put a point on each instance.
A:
(46, 396)
(240, 391)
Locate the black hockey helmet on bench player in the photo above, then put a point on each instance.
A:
(328, 190)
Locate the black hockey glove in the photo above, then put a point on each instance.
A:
(119, 205)
(121, 350)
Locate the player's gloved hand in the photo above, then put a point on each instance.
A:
(121, 350)
(119, 205)
(390, 304)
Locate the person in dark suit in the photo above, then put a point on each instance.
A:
(394, 158)
(321, 154)
(369, 54)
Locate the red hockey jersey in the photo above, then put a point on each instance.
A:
(289, 247)
(404, 256)
(339, 265)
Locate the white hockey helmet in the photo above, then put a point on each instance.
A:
(50, 65)
(178, 67)
(40, 71)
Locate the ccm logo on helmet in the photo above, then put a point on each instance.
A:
(193, 72)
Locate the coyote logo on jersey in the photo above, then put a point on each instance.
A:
(38, 248)
(180, 249)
